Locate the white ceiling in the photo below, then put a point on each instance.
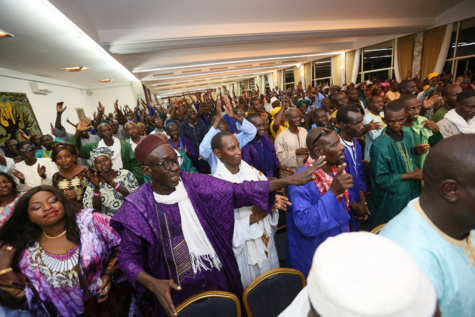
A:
(179, 44)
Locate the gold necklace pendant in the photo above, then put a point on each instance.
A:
(59, 235)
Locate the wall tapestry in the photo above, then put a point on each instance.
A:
(16, 113)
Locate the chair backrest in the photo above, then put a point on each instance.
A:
(377, 229)
(272, 292)
(210, 304)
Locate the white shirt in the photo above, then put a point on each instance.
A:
(285, 145)
(248, 246)
(32, 178)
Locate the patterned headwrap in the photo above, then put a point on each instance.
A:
(302, 101)
(100, 151)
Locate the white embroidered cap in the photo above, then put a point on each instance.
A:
(363, 274)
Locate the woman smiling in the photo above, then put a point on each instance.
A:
(58, 258)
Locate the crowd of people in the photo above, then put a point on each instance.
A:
(142, 208)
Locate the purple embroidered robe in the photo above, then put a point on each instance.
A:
(144, 248)
(97, 240)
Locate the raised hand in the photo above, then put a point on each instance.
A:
(52, 129)
(18, 175)
(219, 110)
(101, 109)
(59, 107)
(306, 175)
(341, 182)
(83, 125)
(41, 170)
(228, 107)
(430, 101)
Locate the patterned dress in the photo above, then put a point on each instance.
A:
(6, 212)
(78, 183)
(58, 284)
(111, 199)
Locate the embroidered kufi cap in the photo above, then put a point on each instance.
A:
(363, 274)
(147, 145)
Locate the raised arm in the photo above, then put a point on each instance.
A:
(59, 112)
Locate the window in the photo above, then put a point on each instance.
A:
(377, 62)
(252, 83)
(289, 80)
(322, 72)
(267, 81)
(461, 54)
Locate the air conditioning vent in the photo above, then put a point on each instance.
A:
(288, 62)
(191, 71)
(40, 88)
(218, 68)
(165, 74)
(264, 64)
(243, 66)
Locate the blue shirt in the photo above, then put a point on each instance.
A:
(354, 166)
(248, 133)
(233, 127)
(194, 133)
(318, 101)
(442, 259)
(311, 219)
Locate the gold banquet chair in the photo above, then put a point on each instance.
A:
(272, 292)
(377, 229)
(210, 304)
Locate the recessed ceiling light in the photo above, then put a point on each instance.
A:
(5, 34)
(106, 80)
(75, 69)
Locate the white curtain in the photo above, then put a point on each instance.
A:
(444, 49)
(397, 74)
(356, 66)
(270, 77)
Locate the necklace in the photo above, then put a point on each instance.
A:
(59, 235)
(347, 143)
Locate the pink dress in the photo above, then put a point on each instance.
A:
(6, 212)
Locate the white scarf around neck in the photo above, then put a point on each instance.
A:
(116, 158)
(202, 253)
(255, 248)
(463, 126)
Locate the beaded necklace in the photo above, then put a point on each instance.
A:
(60, 270)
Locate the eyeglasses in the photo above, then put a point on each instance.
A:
(27, 150)
(325, 130)
(168, 165)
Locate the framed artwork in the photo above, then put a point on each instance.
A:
(15, 114)
(80, 112)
